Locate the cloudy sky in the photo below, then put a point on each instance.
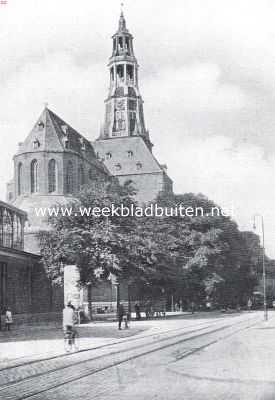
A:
(207, 76)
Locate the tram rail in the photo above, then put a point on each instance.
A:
(30, 386)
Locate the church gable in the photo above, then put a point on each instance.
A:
(43, 136)
(51, 133)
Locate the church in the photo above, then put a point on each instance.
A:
(55, 160)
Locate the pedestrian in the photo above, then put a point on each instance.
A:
(147, 309)
(137, 311)
(8, 319)
(249, 304)
(69, 320)
(121, 314)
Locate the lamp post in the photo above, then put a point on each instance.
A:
(117, 286)
(263, 260)
(114, 281)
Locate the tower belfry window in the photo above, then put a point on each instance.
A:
(130, 72)
(127, 43)
(120, 71)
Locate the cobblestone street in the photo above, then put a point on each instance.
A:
(163, 359)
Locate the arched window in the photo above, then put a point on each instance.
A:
(34, 176)
(52, 176)
(19, 179)
(7, 228)
(81, 176)
(17, 233)
(69, 177)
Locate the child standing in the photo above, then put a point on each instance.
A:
(8, 319)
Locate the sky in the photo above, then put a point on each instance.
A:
(207, 77)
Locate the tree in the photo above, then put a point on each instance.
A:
(191, 256)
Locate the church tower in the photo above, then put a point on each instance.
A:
(124, 144)
(124, 104)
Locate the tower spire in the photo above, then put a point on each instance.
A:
(124, 104)
(122, 21)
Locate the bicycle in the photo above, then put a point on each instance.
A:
(71, 339)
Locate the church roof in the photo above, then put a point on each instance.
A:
(52, 134)
(127, 156)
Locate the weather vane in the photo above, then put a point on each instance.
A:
(121, 7)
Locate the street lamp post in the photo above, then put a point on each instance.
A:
(115, 282)
(263, 260)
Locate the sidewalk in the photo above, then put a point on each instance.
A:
(31, 342)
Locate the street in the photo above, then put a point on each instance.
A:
(205, 356)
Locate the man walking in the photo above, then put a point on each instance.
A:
(137, 310)
(8, 319)
(68, 316)
(69, 320)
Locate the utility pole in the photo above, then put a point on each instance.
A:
(263, 262)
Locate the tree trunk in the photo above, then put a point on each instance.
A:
(117, 298)
(90, 314)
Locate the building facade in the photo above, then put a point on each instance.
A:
(50, 167)
(24, 286)
(55, 161)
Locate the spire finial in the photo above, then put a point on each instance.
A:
(46, 104)
(122, 22)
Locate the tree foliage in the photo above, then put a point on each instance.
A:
(193, 256)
